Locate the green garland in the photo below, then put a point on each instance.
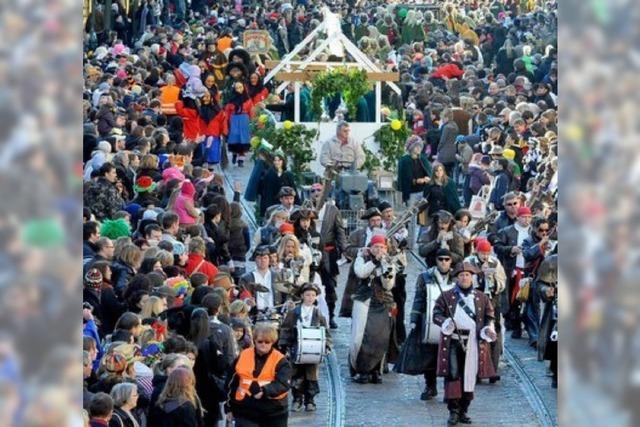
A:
(392, 143)
(352, 84)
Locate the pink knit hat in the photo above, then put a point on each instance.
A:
(172, 173)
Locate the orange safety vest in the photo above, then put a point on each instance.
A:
(245, 367)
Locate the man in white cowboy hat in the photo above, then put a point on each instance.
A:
(465, 317)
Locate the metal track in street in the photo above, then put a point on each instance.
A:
(531, 391)
(335, 392)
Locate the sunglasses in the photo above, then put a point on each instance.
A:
(442, 258)
(512, 204)
(263, 342)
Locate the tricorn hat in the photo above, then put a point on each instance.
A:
(309, 287)
(465, 266)
(370, 213)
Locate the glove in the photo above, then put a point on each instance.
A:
(447, 327)
(488, 334)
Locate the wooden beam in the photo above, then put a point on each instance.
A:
(307, 75)
(271, 64)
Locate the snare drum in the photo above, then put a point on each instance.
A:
(312, 344)
(275, 319)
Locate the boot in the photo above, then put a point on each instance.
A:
(429, 393)
(454, 418)
(310, 406)
(464, 418)
(361, 378)
(376, 378)
(494, 379)
(297, 405)
(333, 324)
(234, 158)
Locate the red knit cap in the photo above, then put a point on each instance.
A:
(522, 211)
(286, 228)
(378, 239)
(483, 245)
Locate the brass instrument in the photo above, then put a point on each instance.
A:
(480, 224)
(405, 218)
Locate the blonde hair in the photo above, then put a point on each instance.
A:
(119, 244)
(283, 244)
(165, 258)
(265, 330)
(131, 255)
(149, 161)
(152, 307)
(238, 308)
(181, 385)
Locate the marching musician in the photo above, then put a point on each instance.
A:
(397, 244)
(330, 227)
(291, 257)
(508, 247)
(465, 318)
(263, 276)
(490, 279)
(304, 380)
(358, 239)
(441, 234)
(371, 318)
(422, 323)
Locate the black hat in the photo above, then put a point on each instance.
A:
(246, 58)
(238, 65)
(371, 212)
(309, 286)
(384, 205)
(286, 191)
(261, 251)
(465, 266)
(443, 252)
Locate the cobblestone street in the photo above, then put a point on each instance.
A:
(396, 401)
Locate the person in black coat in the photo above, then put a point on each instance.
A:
(209, 371)
(178, 404)
(275, 178)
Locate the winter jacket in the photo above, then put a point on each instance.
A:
(239, 239)
(174, 413)
(190, 120)
(500, 188)
(195, 264)
(121, 276)
(405, 175)
(106, 121)
(270, 186)
(477, 178)
(447, 145)
(103, 199)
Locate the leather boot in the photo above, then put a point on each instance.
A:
(361, 378)
(429, 393)
(454, 418)
(376, 378)
(464, 419)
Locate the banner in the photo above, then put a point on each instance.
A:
(256, 41)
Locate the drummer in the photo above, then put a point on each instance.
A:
(304, 381)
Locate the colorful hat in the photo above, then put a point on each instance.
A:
(523, 211)
(286, 228)
(93, 279)
(115, 363)
(509, 154)
(378, 239)
(412, 142)
(179, 284)
(172, 173)
(483, 245)
(115, 228)
(144, 184)
(131, 352)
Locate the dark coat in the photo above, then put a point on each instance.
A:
(442, 197)
(507, 238)
(447, 303)
(501, 222)
(175, 414)
(103, 199)
(405, 175)
(447, 146)
(501, 186)
(547, 322)
(332, 233)
(288, 332)
(259, 168)
(425, 284)
(239, 239)
(209, 370)
(121, 275)
(111, 309)
(428, 249)
(356, 242)
(270, 186)
(477, 178)
(121, 419)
